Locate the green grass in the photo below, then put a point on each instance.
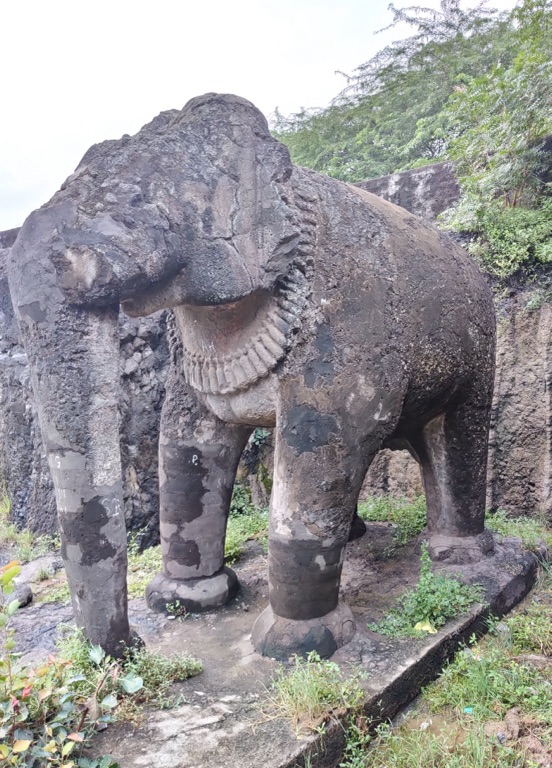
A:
(57, 591)
(142, 567)
(311, 691)
(243, 528)
(24, 545)
(508, 674)
(408, 517)
(245, 522)
(155, 673)
(426, 608)
(530, 530)
(414, 748)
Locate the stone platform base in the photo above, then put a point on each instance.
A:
(222, 722)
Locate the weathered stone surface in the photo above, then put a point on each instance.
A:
(519, 476)
(298, 302)
(520, 445)
(23, 465)
(426, 191)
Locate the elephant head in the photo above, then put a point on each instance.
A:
(191, 210)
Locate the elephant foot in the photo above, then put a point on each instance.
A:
(191, 595)
(281, 638)
(459, 550)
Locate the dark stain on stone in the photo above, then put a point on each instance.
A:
(324, 339)
(300, 588)
(33, 311)
(207, 220)
(323, 367)
(84, 530)
(182, 492)
(184, 552)
(320, 640)
(307, 429)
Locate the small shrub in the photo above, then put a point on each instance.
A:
(43, 574)
(357, 735)
(312, 691)
(507, 239)
(408, 517)
(42, 717)
(147, 675)
(428, 607)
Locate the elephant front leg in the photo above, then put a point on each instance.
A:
(317, 478)
(75, 369)
(198, 458)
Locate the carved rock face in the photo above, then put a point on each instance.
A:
(299, 302)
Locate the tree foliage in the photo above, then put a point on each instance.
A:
(497, 129)
(381, 122)
(473, 86)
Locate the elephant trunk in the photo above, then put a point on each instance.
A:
(73, 355)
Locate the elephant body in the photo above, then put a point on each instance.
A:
(297, 302)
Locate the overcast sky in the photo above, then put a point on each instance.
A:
(75, 72)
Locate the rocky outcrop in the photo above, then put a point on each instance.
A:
(23, 468)
(520, 460)
(426, 191)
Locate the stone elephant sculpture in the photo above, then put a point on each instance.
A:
(298, 302)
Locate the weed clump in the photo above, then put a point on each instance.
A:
(312, 691)
(531, 532)
(24, 544)
(48, 714)
(149, 676)
(408, 517)
(245, 522)
(434, 601)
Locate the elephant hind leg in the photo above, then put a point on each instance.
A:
(452, 452)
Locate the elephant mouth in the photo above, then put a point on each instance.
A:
(143, 302)
(248, 353)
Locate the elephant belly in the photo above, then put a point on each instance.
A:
(255, 406)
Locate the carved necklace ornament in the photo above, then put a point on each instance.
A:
(259, 345)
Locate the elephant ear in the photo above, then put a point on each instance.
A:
(246, 171)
